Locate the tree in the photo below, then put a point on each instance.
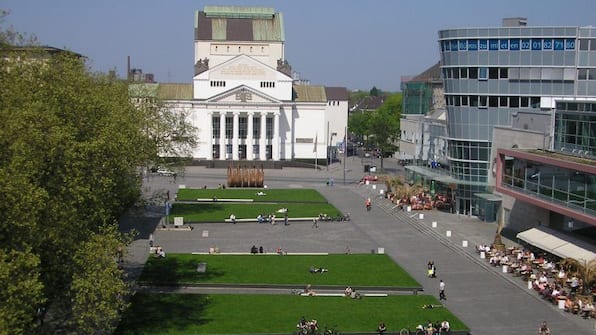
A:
(169, 135)
(358, 123)
(71, 143)
(375, 92)
(384, 125)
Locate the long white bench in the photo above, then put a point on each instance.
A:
(343, 295)
(277, 219)
(223, 200)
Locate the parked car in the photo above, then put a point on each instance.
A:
(165, 172)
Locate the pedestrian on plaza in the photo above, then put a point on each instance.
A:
(315, 223)
(151, 240)
(233, 218)
(286, 218)
(442, 290)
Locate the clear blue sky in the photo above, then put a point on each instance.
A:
(362, 43)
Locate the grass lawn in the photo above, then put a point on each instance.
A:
(357, 270)
(271, 195)
(178, 314)
(218, 212)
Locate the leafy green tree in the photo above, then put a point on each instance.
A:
(97, 289)
(374, 92)
(359, 124)
(21, 292)
(71, 143)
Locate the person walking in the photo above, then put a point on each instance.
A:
(442, 290)
(286, 219)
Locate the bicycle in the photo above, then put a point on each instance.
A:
(404, 331)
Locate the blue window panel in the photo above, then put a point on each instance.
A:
(504, 45)
(463, 45)
(472, 45)
(547, 44)
(536, 44)
(482, 73)
(570, 44)
(493, 44)
(454, 45)
(525, 44)
(483, 45)
(559, 44)
(514, 44)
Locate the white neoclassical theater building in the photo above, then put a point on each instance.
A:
(243, 99)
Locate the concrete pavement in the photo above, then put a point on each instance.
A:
(487, 300)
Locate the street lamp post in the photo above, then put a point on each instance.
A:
(329, 146)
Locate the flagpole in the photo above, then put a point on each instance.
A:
(316, 151)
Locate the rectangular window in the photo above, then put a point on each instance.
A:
(463, 45)
(503, 102)
(229, 127)
(215, 151)
(483, 101)
(456, 73)
(570, 44)
(473, 73)
(525, 44)
(535, 102)
(463, 73)
(559, 44)
(582, 74)
(215, 126)
(493, 101)
(454, 45)
(483, 45)
(503, 44)
(474, 101)
(593, 44)
(493, 44)
(493, 73)
(242, 127)
(503, 73)
(256, 150)
(472, 45)
(457, 100)
(465, 100)
(584, 44)
(547, 44)
(525, 102)
(536, 44)
(482, 73)
(269, 128)
(514, 102)
(514, 44)
(256, 127)
(229, 149)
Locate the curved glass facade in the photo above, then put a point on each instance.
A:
(490, 74)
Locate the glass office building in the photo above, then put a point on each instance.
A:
(491, 74)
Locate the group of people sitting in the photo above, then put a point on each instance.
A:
(159, 252)
(435, 328)
(351, 293)
(306, 327)
(549, 279)
(254, 250)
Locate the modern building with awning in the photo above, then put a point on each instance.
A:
(558, 244)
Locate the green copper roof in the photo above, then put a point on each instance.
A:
(219, 23)
(237, 12)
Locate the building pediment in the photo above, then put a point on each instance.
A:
(243, 95)
(243, 67)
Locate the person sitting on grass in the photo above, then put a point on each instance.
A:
(381, 329)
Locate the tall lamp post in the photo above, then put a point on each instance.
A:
(329, 149)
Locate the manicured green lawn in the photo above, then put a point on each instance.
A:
(271, 195)
(355, 270)
(179, 314)
(219, 211)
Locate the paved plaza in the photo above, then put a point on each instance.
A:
(486, 299)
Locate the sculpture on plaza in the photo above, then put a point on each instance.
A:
(244, 176)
